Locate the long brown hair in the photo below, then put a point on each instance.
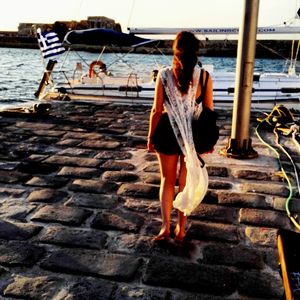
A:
(185, 48)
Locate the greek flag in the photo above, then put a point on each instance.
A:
(49, 43)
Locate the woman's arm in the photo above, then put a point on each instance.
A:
(208, 100)
(156, 111)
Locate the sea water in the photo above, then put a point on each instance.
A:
(22, 69)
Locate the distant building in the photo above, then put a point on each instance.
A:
(8, 33)
(103, 22)
(28, 29)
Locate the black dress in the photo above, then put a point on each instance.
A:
(164, 139)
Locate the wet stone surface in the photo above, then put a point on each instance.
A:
(79, 207)
(80, 238)
(47, 196)
(33, 287)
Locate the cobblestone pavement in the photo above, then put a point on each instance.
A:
(79, 208)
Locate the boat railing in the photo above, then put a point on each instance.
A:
(100, 81)
(131, 85)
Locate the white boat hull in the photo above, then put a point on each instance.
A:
(267, 88)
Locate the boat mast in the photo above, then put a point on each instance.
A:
(239, 144)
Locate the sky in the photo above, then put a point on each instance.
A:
(145, 13)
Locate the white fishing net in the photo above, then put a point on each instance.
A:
(181, 110)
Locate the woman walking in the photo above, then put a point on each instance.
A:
(177, 92)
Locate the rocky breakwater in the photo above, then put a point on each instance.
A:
(79, 209)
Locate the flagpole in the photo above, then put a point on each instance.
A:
(36, 35)
(239, 144)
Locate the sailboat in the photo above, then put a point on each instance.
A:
(97, 83)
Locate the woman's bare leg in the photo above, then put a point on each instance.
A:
(180, 227)
(168, 172)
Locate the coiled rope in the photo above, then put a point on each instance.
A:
(270, 122)
(293, 219)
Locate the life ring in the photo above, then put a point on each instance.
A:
(99, 63)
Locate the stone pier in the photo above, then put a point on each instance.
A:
(79, 209)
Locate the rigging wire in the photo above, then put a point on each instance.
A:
(79, 10)
(271, 50)
(130, 13)
(292, 58)
(293, 61)
(292, 51)
(296, 55)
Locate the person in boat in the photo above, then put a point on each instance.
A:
(178, 82)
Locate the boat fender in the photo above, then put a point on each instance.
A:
(62, 90)
(99, 63)
(41, 108)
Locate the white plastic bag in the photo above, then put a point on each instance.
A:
(196, 184)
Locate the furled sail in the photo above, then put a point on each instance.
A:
(101, 37)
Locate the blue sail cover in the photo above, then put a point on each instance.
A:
(101, 37)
